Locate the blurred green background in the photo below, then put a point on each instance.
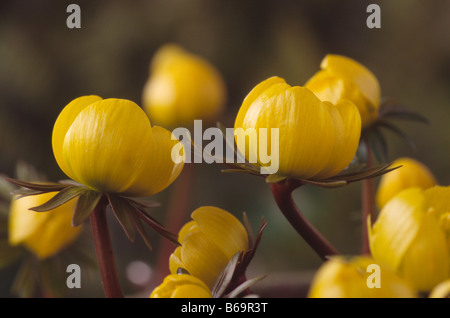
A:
(44, 65)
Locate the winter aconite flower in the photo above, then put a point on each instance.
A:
(317, 139)
(411, 235)
(183, 87)
(358, 277)
(208, 242)
(181, 286)
(342, 78)
(44, 233)
(109, 146)
(411, 173)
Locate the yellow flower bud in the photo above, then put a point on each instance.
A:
(412, 173)
(181, 286)
(342, 78)
(208, 242)
(317, 139)
(183, 87)
(409, 236)
(43, 233)
(359, 277)
(110, 146)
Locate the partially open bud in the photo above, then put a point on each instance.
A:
(317, 139)
(343, 78)
(208, 243)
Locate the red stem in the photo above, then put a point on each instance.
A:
(104, 251)
(282, 192)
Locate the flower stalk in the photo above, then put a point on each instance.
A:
(104, 251)
(282, 193)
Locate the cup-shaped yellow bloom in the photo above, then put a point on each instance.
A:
(341, 78)
(412, 173)
(43, 233)
(183, 87)
(317, 139)
(359, 277)
(411, 236)
(181, 286)
(208, 242)
(110, 146)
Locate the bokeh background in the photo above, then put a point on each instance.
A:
(44, 65)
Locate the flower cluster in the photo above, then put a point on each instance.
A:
(115, 158)
(410, 240)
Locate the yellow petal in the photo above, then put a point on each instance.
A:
(333, 88)
(63, 123)
(348, 130)
(175, 261)
(411, 173)
(191, 291)
(437, 199)
(202, 258)
(336, 279)
(254, 94)
(159, 169)
(108, 145)
(44, 233)
(189, 227)
(426, 261)
(222, 228)
(361, 75)
(396, 227)
(343, 78)
(181, 286)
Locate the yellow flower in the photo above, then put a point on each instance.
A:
(181, 286)
(411, 235)
(44, 233)
(208, 242)
(317, 139)
(183, 87)
(343, 78)
(355, 278)
(412, 173)
(110, 146)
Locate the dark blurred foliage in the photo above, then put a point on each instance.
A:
(44, 65)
